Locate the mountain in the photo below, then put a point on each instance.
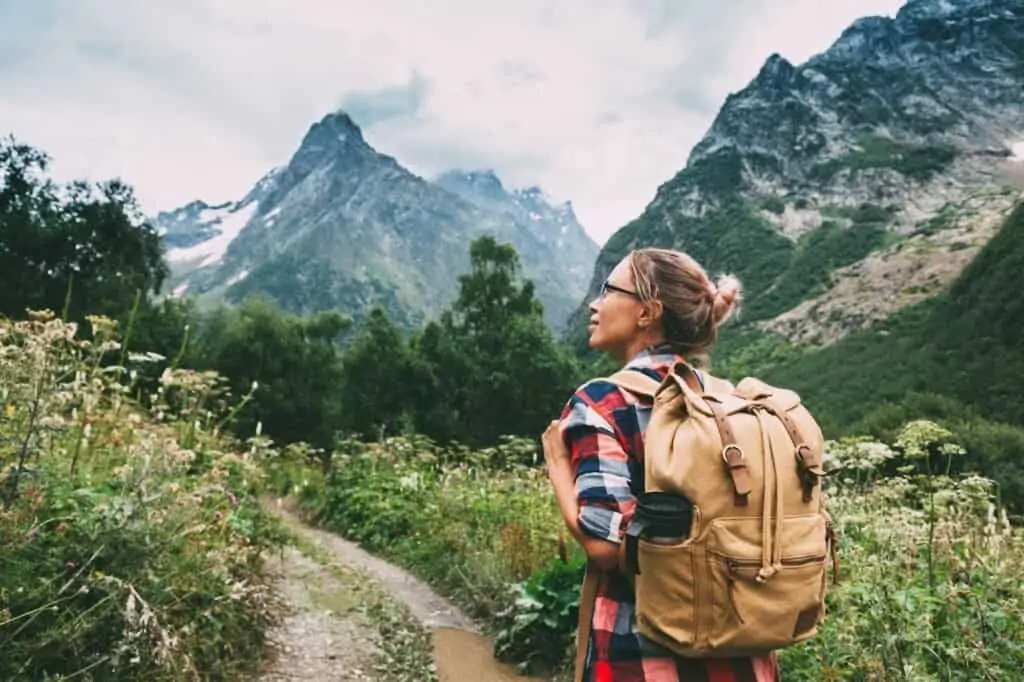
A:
(555, 226)
(964, 343)
(862, 181)
(342, 226)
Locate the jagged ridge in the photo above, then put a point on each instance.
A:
(344, 226)
(873, 146)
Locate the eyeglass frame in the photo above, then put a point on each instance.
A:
(607, 286)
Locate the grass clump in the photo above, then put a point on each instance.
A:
(928, 588)
(131, 537)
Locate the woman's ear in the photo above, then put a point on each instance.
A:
(650, 314)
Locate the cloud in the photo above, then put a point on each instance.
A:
(373, 107)
(597, 101)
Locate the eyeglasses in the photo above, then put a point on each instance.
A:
(606, 286)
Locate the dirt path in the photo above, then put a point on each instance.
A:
(324, 636)
(330, 565)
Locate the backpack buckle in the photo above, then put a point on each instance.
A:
(738, 461)
(733, 456)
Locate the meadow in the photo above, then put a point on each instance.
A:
(132, 539)
(928, 585)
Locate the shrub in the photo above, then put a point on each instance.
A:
(928, 585)
(131, 541)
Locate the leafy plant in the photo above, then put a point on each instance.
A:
(537, 629)
(131, 539)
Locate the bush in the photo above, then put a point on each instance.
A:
(131, 542)
(929, 562)
(931, 566)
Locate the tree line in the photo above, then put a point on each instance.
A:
(487, 367)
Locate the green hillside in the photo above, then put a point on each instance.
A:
(965, 344)
(957, 357)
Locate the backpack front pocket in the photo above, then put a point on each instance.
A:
(666, 595)
(757, 609)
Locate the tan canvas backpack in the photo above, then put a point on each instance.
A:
(749, 577)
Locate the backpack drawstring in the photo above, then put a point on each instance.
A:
(771, 547)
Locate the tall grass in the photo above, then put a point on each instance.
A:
(131, 538)
(929, 585)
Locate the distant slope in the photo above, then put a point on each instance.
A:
(342, 226)
(967, 344)
(555, 226)
(858, 183)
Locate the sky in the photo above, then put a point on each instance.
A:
(595, 101)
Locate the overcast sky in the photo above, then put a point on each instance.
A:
(597, 101)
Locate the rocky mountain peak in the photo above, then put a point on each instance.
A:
(335, 137)
(482, 182)
(777, 71)
(938, 9)
(343, 226)
(884, 139)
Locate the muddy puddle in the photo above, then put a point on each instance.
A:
(463, 656)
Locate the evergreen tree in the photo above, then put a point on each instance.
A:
(295, 362)
(495, 361)
(377, 378)
(81, 248)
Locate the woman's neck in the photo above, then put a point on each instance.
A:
(642, 346)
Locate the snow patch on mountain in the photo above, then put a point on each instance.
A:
(1017, 151)
(212, 250)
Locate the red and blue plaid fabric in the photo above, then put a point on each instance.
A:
(603, 428)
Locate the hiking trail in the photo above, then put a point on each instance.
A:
(345, 608)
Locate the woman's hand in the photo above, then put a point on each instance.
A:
(560, 474)
(556, 456)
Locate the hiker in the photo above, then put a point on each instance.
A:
(657, 308)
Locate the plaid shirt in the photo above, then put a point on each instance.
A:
(603, 428)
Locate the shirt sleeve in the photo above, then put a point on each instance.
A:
(600, 462)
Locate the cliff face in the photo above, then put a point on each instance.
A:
(845, 188)
(344, 226)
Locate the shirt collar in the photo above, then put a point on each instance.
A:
(654, 357)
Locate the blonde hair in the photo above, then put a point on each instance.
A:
(693, 307)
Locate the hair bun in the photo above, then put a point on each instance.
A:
(727, 298)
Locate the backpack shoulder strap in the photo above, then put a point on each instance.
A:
(635, 382)
(588, 602)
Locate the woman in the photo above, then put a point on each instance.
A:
(657, 308)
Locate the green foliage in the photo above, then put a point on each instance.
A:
(929, 562)
(292, 362)
(742, 352)
(930, 566)
(774, 204)
(718, 173)
(491, 361)
(938, 222)
(377, 378)
(818, 253)
(131, 540)
(79, 248)
(918, 162)
(537, 629)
